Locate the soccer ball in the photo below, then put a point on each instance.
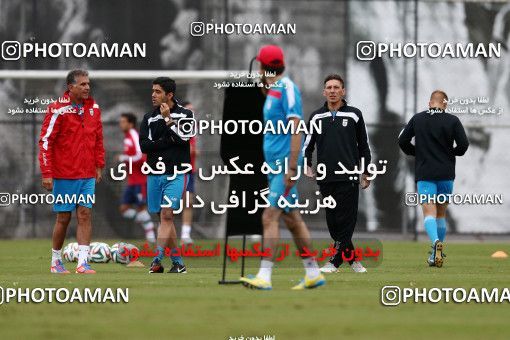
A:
(120, 248)
(70, 252)
(99, 252)
(116, 250)
(129, 246)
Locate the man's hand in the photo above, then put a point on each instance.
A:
(365, 183)
(170, 122)
(47, 183)
(289, 183)
(165, 110)
(99, 175)
(309, 172)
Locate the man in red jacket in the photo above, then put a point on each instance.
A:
(71, 157)
(134, 198)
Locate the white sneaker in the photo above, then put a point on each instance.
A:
(329, 268)
(186, 240)
(358, 267)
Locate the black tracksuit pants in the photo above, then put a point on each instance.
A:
(341, 220)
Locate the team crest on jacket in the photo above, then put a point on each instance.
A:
(91, 111)
(344, 122)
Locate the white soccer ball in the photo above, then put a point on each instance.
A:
(120, 248)
(116, 250)
(99, 252)
(70, 252)
(130, 247)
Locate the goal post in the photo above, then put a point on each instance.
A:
(120, 74)
(116, 91)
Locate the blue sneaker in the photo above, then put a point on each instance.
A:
(430, 260)
(59, 268)
(84, 268)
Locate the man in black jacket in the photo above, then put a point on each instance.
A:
(164, 137)
(435, 132)
(343, 139)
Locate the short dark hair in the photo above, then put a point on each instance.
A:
(131, 118)
(71, 76)
(441, 92)
(334, 76)
(166, 83)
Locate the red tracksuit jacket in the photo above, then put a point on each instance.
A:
(132, 150)
(71, 141)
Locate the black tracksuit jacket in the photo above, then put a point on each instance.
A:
(159, 140)
(434, 131)
(343, 139)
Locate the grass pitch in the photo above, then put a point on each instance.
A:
(195, 306)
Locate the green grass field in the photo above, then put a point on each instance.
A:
(194, 306)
